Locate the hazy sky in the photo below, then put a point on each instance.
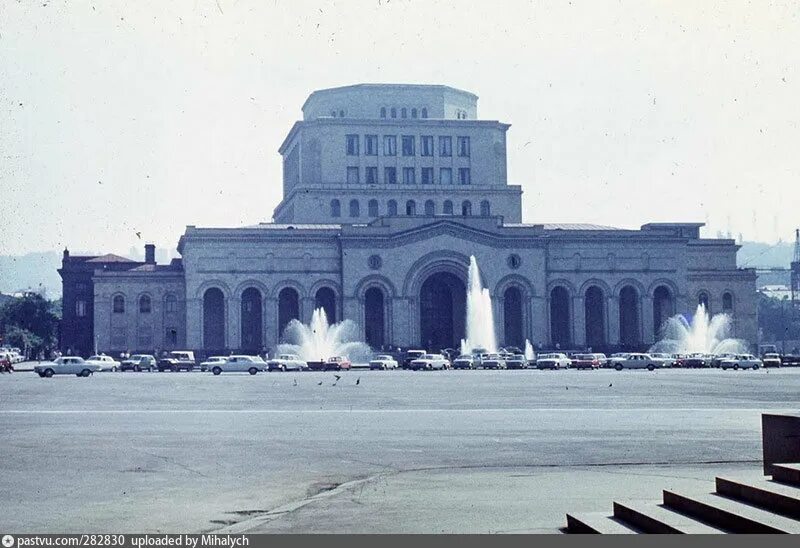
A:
(126, 117)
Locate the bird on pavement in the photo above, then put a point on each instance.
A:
(358, 381)
(567, 387)
(610, 384)
(294, 383)
(337, 378)
(319, 383)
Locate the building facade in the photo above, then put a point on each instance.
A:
(388, 191)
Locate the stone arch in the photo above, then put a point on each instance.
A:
(208, 284)
(450, 261)
(411, 207)
(466, 208)
(289, 306)
(430, 208)
(214, 306)
(442, 309)
(664, 300)
(326, 296)
(728, 302)
(144, 303)
(375, 280)
(262, 288)
(336, 208)
(118, 303)
(704, 297)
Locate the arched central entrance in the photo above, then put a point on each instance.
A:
(442, 311)
(252, 340)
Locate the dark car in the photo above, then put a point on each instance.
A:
(697, 360)
(790, 359)
(410, 356)
(177, 360)
(585, 361)
(516, 361)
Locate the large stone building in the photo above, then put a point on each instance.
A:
(388, 190)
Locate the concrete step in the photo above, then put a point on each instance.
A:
(597, 522)
(730, 515)
(770, 495)
(655, 518)
(786, 473)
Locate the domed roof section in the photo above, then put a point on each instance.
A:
(375, 101)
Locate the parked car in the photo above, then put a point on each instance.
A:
(585, 361)
(790, 359)
(664, 360)
(287, 362)
(741, 361)
(516, 361)
(211, 361)
(67, 365)
(138, 362)
(697, 360)
(177, 360)
(716, 359)
(412, 355)
(106, 363)
(493, 361)
(337, 363)
(429, 362)
(602, 359)
(383, 362)
(679, 360)
(466, 361)
(553, 361)
(635, 360)
(771, 360)
(240, 364)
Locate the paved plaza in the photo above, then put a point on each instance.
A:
(452, 451)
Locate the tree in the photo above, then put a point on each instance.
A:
(32, 320)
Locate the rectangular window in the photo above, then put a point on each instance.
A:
(390, 145)
(463, 176)
(426, 145)
(352, 145)
(370, 145)
(445, 146)
(80, 308)
(352, 175)
(427, 175)
(409, 176)
(390, 175)
(446, 176)
(372, 175)
(408, 145)
(463, 146)
(145, 337)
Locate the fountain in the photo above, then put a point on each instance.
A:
(529, 353)
(480, 319)
(703, 335)
(320, 341)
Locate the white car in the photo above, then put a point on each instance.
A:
(106, 363)
(240, 364)
(383, 361)
(430, 361)
(553, 361)
(636, 360)
(287, 362)
(212, 361)
(741, 361)
(67, 365)
(665, 360)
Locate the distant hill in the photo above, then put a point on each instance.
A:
(38, 270)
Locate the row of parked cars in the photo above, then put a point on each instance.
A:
(11, 355)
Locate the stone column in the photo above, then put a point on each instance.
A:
(499, 324)
(613, 320)
(648, 329)
(578, 321)
(540, 323)
(306, 309)
(233, 320)
(270, 316)
(405, 334)
(194, 324)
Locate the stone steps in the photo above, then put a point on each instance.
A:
(752, 505)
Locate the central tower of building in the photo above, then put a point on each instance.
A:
(373, 150)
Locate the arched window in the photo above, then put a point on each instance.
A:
(403, 113)
(171, 303)
(354, 208)
(413, 113)
(424, 112)
(391, 208)
(336, 208)
(430, 208)
(727, 303)
(447, 208)
(394, 112)
(411, 207)
(145, 304)
(333, 114)
(119, 304)
(383, 112)
(485, 208)
(341, 114)
(466, 208)
(373, 208)
(704, 301)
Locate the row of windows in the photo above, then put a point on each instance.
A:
(408, 145)
(145, 304)
(404, 112)
(373, 208)
(409, 175)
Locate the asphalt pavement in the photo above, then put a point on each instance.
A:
(451, 451)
